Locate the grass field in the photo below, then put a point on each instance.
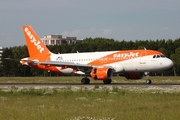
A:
(99, 103)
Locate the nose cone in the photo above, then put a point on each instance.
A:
(168, 63)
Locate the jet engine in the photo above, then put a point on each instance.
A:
(101, 73)
(134, 75)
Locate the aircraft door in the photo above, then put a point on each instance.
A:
(143, 58)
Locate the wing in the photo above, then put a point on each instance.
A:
(55, 63)
(81, 67)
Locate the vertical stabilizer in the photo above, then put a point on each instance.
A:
(34, 43)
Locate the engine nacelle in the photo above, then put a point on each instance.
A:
(101, 73)
(134, 75)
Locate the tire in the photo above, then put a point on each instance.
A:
(107, 81)
(85, 81)
(148, 81)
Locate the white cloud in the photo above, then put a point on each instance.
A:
(92, 32)
(106, 32)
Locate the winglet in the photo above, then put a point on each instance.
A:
(34, 43)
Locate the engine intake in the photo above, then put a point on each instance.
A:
(101, 73)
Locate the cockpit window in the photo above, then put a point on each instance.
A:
(162, 56)
(158, 56)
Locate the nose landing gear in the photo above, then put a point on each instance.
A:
(148, 81)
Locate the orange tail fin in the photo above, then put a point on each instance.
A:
(34, 43)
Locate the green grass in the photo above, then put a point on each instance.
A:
(77, 79)
(66, 104)
(98, 103)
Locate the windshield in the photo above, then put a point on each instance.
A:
(158, 56)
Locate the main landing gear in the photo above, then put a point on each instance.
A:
(86, 80)
(108, 81)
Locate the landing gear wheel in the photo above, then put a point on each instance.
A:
(85, 81)
(148, 81)
(107, 81)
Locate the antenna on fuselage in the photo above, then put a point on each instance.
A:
(144, 48)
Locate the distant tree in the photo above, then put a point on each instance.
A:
(168, 47)
(176, 59)
(7, 65)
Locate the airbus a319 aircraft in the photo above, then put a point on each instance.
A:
(131, 64)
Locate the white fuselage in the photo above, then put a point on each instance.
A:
(125, 62)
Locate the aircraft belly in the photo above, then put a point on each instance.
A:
(133, 65)
(155, 66)
(128, 65)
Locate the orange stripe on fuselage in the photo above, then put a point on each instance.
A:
(122, 56)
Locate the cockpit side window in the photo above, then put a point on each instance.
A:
(158, 56)
(163, 56)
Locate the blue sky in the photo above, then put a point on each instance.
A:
(117, 19)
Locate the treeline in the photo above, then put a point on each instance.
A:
(170, 48)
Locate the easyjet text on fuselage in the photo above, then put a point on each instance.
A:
(126, 55)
